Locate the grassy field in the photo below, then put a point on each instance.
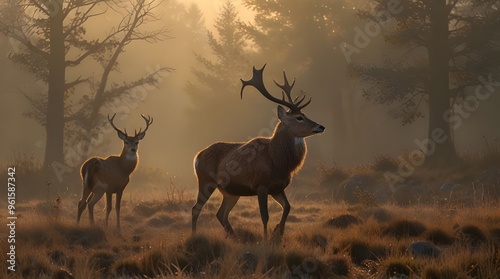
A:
(345, 223)
(322, 240)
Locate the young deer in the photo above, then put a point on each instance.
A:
(110, 175)
(262, 166)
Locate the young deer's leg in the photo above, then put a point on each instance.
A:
(228, 202)
(98, 192)
(205, 190)
(264, 214)
(117, 205)
(83, 202)
(283, 201)
(109, 199)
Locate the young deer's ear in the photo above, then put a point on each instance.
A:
(140, 136)
(281, 112)
(122, 136)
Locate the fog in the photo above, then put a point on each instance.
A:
(356, 130)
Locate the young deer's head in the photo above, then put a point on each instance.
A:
(131, 143)
(294, 119)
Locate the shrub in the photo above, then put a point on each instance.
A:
(404, 228)
(440, 237)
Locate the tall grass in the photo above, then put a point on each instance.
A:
(323, 239)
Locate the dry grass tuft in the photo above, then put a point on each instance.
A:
(380, 214)
(247, 236)
(440, 273)
(60, 258)
(102, 261)
(337, 266)
(128, 269)
(342, 221)
(384, 163)
(404, 228)
(155, 263)
(361, 251)
(397, 266)
(202, 250)
(274, 263)
(34, 266)
(161, 220)
(471, 234)
(439, 237)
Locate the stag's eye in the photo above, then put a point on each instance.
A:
(136, 143)
(299, 118)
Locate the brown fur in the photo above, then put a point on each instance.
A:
(110, 175)
(261, 166)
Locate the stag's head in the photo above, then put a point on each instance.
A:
(293, 118)
(131, 143)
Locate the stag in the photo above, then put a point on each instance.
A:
(260, 167)
(110, 175)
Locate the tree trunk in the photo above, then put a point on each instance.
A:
(56, 85)
(440, 143)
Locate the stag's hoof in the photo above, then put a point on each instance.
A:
(230, 234)
(277, 234)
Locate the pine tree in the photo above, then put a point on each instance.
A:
(217, 77)
(448, 48)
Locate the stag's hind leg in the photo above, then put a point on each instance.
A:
(205, 190)
(228, 202)
(109, 202)
(98, 192)
(83, 202)
(264, 214)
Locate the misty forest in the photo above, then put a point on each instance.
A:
(250, 139)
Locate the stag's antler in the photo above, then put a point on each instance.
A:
(114, 127)
(149, 121)
(257, 81)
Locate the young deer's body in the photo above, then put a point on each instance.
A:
(110, 175)
(261, 166)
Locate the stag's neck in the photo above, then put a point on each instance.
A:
(287, 151)
(128, 162)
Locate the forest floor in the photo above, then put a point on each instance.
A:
(322, 240)
(350, 223)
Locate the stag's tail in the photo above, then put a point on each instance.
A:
(88, 172)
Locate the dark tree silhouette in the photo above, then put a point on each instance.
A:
(217, 77)
(302, 37)
(449, 47)
(229, 57)
(54, 46)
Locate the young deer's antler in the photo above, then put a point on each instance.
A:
(113, 125)
(257, 81)
(149, 121)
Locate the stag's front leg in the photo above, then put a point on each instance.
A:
(264, 214)
(118, 202)
(283, 201)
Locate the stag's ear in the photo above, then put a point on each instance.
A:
(122, 136)
(281, 112)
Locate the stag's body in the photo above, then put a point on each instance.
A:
(266, 161)
(109, 175)
(261, 166)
